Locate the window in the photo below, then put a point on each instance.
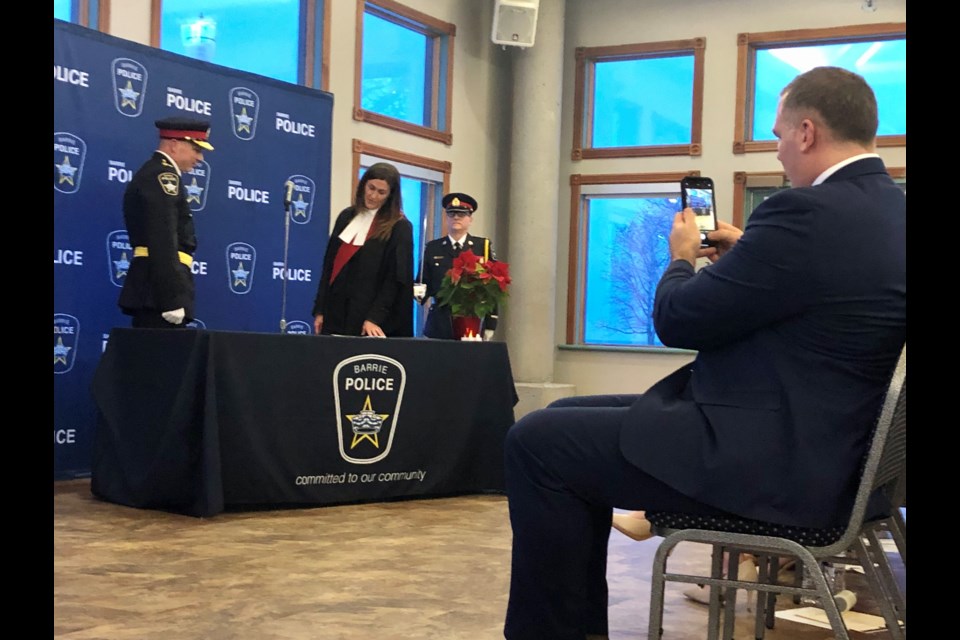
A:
(423, 182)
(86, 13)
(404, 69)
(619, 230)
(639, 100)
(767, 62)
(283, 39)
(750, 189)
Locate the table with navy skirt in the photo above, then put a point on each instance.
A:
(199, 422)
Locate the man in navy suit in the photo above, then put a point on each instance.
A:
(798, 323)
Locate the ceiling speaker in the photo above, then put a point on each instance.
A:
(515, 22)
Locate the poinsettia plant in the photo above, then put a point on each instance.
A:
(474, 287)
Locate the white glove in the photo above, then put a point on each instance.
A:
(487, 335)
(419, 291)
(175, 316)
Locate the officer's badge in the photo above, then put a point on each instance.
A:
(170, 183)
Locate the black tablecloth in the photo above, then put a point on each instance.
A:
(197, 422)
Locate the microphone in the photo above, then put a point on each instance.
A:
(287, 193)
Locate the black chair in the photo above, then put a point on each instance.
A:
(856, 543)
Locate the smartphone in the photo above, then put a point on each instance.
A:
(697, 193)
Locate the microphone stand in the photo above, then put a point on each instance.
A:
(287, 204)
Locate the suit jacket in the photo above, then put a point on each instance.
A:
(157, 216)
(798, 330)
(374, 285)
(438, 257)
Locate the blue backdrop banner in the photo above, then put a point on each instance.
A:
(108, 93)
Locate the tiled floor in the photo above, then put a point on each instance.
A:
(412, 570)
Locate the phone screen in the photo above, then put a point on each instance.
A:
(701, 201)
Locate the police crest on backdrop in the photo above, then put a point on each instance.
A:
(245, 109)
(69, 152)
(302, 201)
(298, 327)
(129, 86)
(195, 184)
(119, 255)
(241, 262)
(368, 392)
(66, 334)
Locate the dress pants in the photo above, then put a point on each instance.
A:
(564, 474)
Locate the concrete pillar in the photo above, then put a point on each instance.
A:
(534, 207)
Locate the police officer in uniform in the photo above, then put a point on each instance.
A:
(158, 291)
(438, 257)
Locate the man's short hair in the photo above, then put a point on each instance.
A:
(843, 99)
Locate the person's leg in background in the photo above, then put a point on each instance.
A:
(564, 474)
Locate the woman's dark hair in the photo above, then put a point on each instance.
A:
(391, 211)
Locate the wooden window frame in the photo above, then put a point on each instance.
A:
(443, 35)
(742, 180)
(749, 43)
(586, 59)
(578, 242)
(316, 63)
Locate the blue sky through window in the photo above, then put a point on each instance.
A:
(259, 36)
(627, 253)
(643, 102)
(394, 70)
(883, 64)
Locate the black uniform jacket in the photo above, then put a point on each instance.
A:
(438, 257)
(375, 284)
(157, 217)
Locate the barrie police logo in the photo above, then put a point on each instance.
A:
(129, 86)
(245, 108)
(196, 323)
(119, 256)
(302, 202)
(241, 260)
(66, 333)
(368, 391)
(194, 185)
(298, 327)
(69, 152)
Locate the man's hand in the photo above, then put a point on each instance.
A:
(317, 323)
(487, 335)
(725, 236)
(685, 237)
(419, 291)
(175, 316)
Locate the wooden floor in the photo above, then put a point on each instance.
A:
(412, 570)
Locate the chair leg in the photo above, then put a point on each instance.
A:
(885, 572)
(887, 602)
(657, 584)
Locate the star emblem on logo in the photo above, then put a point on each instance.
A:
(366, 425)
(122, 265)
(240, 276)
(193, 191)
(128, 97)
(66, 171)
(243, 120)
(300, 207)
(60, 352)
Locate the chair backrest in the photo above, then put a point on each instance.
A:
(885, 467)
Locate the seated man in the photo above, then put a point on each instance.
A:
(438, 257)
(798, 322)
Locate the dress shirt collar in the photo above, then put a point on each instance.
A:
(840, 165)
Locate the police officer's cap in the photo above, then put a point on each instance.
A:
(459, 202)
(195, 131)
